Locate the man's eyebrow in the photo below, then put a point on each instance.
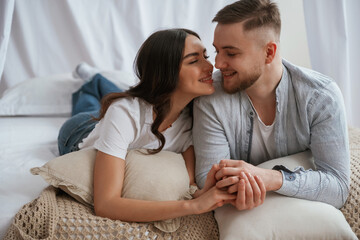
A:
(228, 47)
(194, 54)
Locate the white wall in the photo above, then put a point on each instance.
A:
(294, 45)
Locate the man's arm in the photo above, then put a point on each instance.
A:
(211, 145)
(209, 138)
(330, 181)
(329, 145)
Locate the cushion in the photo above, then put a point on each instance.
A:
(282, 217)
(145, 178)
(51, 95)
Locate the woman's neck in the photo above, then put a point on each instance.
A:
(177, 104)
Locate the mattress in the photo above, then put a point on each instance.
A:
(25, 142)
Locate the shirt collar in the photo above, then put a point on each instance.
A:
(282, 88)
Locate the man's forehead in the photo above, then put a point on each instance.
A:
(230, 27)
(228, 35)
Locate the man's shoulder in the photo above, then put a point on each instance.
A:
(310, 84)
(301, 75)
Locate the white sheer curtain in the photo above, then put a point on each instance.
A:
(333, 34)
(52, 36)
(6, 13)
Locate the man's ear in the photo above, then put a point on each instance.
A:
(271, 49)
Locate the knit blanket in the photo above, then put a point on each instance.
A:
(55, 215)
(351, 209)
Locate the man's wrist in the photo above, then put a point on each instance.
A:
(275, 180)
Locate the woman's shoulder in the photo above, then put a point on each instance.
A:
(134, 107)
(132, 104)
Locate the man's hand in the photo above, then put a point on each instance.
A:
(251, 192)
(230, 173)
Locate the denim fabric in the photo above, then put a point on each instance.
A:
(310, 114)
(86, 105)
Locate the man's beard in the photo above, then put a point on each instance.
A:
(243, 84)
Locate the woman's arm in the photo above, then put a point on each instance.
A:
(189, 157)
(109, 175)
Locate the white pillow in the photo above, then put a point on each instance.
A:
(157, 177)
(51, 95)
(281, 217)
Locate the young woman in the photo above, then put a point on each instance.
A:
(173, 69)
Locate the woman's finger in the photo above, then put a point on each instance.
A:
(227, 182)
(233, 188)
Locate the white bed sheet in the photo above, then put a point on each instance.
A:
(25, 142)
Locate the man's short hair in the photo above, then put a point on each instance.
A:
(254, 14)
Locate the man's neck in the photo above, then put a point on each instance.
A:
(263, 93)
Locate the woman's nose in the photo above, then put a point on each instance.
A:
(208, 67)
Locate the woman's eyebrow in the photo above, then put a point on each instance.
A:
(194, 54)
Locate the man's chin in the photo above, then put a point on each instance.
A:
(229, 89)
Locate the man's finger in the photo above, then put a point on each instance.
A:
(227, 171)
(240, 200)
(255, 188)
(232, 163)
(262, 187)
(248, 191)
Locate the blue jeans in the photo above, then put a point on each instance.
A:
(85, 106)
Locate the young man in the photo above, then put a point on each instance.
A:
(264, 108)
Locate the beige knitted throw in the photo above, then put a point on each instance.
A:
(55, 215)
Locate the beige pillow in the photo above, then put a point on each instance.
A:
(158, 177)
(281, 217)
(72, 172)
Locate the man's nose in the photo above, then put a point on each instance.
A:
(219, 62)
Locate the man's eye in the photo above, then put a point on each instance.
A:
(206, 56)
(231, 54)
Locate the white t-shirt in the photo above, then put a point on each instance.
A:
(127, 125)
(263, 144)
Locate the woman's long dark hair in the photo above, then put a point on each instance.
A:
(157, 65)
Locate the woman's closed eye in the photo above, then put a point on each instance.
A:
(231, 54)
(196, 60)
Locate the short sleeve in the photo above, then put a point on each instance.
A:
(116, 130)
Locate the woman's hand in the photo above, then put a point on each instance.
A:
(212, 199)
(209, 182)
(211, 179)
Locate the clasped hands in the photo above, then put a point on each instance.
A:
(248, 182)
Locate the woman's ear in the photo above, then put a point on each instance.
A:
(271, 49)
